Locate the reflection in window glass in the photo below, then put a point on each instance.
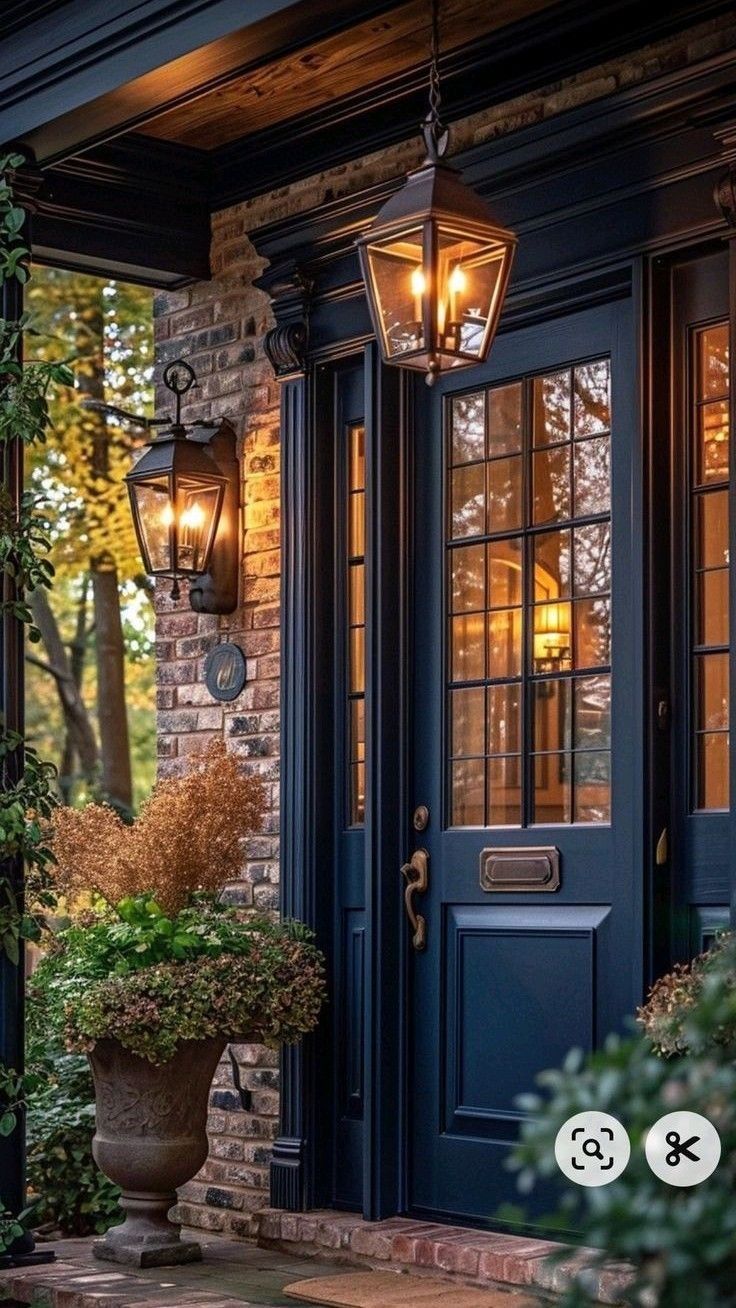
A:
(355, 436)
(709, 569)
(529, 595)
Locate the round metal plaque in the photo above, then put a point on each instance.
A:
(225, 671)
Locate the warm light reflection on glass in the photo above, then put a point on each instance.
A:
(710, 563)
(529, 655)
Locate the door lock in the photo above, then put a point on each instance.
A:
(416, 875)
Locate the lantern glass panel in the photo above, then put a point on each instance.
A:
(155, 518)
(399, 285)
(470, 279)
(197, 506)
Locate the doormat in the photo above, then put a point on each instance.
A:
(394, 1290)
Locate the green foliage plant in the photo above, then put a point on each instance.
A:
(680, 1242)
(151, 981)
(26, 782)
(27, 791)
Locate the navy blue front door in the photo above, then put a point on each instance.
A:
(528, 722)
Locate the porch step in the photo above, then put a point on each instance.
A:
(471, 1257)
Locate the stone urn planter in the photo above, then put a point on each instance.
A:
(151, 1138)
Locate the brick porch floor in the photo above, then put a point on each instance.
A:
(295, 1246)
(232, 1274)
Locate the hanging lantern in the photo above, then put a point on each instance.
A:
(435, 263)
(176, 493)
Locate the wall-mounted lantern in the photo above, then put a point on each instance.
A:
(435, 263)
(184, 497)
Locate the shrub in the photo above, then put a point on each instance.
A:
(71, 1195)
(681, 1242)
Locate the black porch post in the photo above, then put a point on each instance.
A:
(725, 198)
(12, 1148)
(292, 1170)
(12, 976)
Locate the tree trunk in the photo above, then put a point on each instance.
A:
(76, 717)
(77, 657)
(112, 717)
(109, 647)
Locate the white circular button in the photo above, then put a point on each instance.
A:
(592, 1148)
(683, 1148)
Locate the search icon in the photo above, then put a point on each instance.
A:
(592, 1148)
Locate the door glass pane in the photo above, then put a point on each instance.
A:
(552, 788)
(469, 500)
(553, 716)
(504, 791)
(592, 398)
(551, 474)
(504, 420)
(468, 578)
(504, 573)
(504, 718)
(552, 408)
(504, 494)
(469, 428)
(552, 551)
(709, 633)
(592, 477)
(529, 653)
(468, 721)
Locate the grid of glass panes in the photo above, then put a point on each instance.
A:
(710, 553)
(356, 622)
(529, 552)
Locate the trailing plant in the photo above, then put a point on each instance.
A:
(26, 782)
(27, 787)
(681, 1243)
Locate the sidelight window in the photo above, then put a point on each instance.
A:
(709, 567)
(529, 608)
(356, 623)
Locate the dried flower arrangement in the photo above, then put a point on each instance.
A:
(188, 837)
(163, 961)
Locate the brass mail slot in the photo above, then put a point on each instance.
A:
(531, 869)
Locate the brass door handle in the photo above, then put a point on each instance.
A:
(416, 875)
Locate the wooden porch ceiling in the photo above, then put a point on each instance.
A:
(328, 69)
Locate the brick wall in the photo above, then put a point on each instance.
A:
(219, 327)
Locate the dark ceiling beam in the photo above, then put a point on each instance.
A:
(92, 71)
(142, 212)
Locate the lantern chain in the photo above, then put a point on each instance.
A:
(435, 134)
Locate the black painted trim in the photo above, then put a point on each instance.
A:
(289, 1183)
(138, 206)
(387, 825)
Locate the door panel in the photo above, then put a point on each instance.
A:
(527, 618)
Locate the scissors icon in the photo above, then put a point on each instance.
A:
(679, 1149)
